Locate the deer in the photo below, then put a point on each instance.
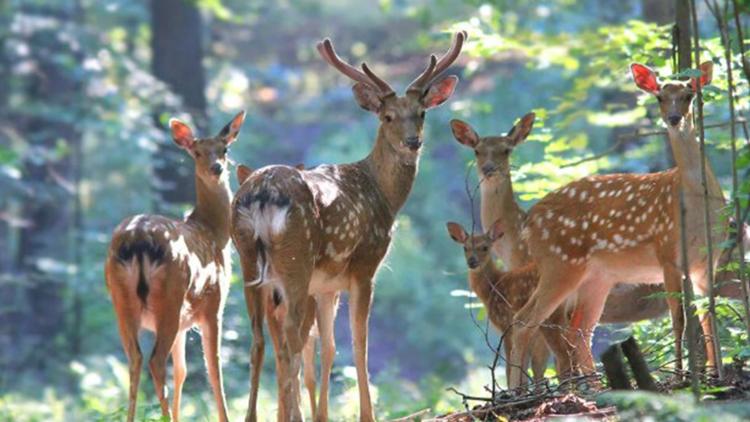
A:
(320, 231)
(600, 230)
(625, 303)
(273, 310)
(167, 276)
(503, 293)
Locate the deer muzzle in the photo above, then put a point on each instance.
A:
(413, 143)
(216, 169)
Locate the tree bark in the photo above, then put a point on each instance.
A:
(34, 300)
(177, 48)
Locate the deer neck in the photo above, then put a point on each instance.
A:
(212, 208)
(393, 176)
(482, 280)
(498, 202)
(687, 154)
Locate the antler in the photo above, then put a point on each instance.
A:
(326, 51)
(435, 69)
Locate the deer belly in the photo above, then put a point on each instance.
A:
(630, 266)
(322, 282)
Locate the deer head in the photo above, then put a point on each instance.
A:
(401, 117)
(675, 97)
(209, 154)
(477, 248)
(493, 152)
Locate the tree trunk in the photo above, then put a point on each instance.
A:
(34, 306)
(176, 44)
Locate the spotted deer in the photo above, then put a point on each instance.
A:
(600, 230)
(503, 293)
(324, 230)
(625, 303)
(167, 275)
(273, 310)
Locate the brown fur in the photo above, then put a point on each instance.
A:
(625, 303)
(503, 293)
(622, 227)
(312, 233)
(167, 275)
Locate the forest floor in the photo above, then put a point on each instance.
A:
(725, 400)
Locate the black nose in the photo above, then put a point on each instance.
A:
(414, 143)
(473, 262)
(488, 169)
(216, 169)
(674, 120)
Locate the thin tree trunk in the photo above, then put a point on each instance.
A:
(177, 51)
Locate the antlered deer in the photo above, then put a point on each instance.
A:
(319, 231)
(622, 228)
(167, 275)
(625, 303)
(503, 293)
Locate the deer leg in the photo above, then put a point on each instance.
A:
(673, 284)
(539, 357)
(179, 372)
(555, 285)
(326, 315)
(274, 318)
(589, 310)
(128, 327)
(211, 340)
(255, 310)
(553, 332)
(360, 299)
(293, 326)
(308, 370)
(166, 331)
(508, 349)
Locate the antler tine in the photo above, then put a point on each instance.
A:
(445, 61)
(425, 76)
(452, 54)
(326, 51)
(379, 83)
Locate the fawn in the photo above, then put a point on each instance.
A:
(625, 303)
(312, 233)
(503, 293)
(167, 276)
(600, 230)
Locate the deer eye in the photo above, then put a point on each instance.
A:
(483, 248)
(224, 151)
(197, 154)
(659, 98)
(421, 115)
(388, 118)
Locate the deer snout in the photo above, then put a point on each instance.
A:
(413, 143)
(216, 169)
(473, 262)
(674, 119)
(488, 169)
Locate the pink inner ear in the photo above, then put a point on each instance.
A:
(439, 92)
(463, 133)
(645, 78)
(182, 134)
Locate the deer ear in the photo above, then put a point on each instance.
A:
(367, 97)
(521, 130)
(181, 134)
(644, 78)
(457, 233)
(707, 74)
(243, 172)
(232, 129)
(439, 92)
(496, 231)
(464, 133)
